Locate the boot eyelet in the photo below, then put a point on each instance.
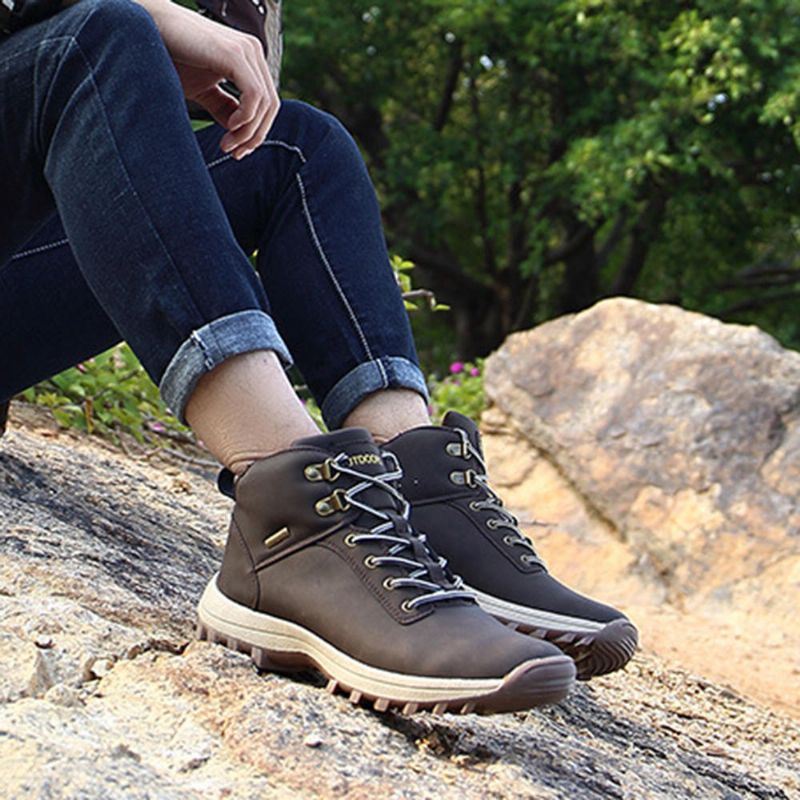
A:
(407, 606)
(455, 449)
(475, 505)
(321, 472)
(329, 471)
(313, 472)
(457, 478)
(350, 540)
(323, 507)
(371, 563)
(491, 523)
(334, 502)
(528, 560)
(388, 583)
(509, 540)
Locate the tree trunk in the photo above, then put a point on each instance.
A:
(581, 285)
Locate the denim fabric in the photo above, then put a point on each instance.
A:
(210, 345)
(369, 377)
(118, 222)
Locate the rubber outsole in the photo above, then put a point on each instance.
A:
(532, 683)
(594, 653)
(597, 648)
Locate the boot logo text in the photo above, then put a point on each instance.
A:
(364, 458)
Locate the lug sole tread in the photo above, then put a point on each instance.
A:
(595, 654)
(541, 683)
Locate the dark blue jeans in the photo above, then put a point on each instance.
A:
(117, 221)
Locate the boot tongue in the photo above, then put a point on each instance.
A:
(363, 454)
(452, 419)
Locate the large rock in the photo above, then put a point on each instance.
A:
(103, 693)
(659, 452)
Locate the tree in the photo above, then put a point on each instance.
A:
(533, 157)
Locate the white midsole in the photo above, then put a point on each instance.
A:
(277, 635)
(533, 616)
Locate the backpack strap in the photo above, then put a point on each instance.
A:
(260, 18)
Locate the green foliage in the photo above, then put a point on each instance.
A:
(402, 269)
(461, 390)
(108, 394)
(111, 393)
(533, 157)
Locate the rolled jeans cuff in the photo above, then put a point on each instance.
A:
(209, 346)
(388, 372)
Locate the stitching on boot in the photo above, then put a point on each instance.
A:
(503, 551)
(378, 593)
(309, 541)
(253, 575)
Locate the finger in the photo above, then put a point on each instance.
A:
(259, 136)
(237, 135)
(219, 104)
(274, 100)
(243, 139)
(273, 103)
(250, 84)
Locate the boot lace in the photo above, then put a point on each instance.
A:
(407, 549)
(490, 500)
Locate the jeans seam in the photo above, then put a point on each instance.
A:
(360, 381)
(59, 242)
(39, 249)
(267, 142)
(198, 341)
(206, 348)
(332, 275)
(72, 38)
(67, 37)
(134, 193)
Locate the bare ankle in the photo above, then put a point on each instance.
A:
(389, 412)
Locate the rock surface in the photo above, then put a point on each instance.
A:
(657, 452)
(104, 694)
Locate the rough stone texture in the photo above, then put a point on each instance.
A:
(655, 454)
(105, 695)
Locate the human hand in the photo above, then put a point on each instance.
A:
(205, 53)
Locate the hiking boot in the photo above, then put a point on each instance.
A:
(322, 570)
(444, 479)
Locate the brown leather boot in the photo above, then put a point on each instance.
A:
(323, 570)
(444, 479)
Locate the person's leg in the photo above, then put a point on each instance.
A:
(321, 566)
(389, 412)
(323, 261)
(95, 126)
(44, 275)
(306, 203)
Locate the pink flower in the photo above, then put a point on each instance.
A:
(158, 427)
(474, 372)
(456, 367)
(80, 368)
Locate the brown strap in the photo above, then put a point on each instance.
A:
(260, 18)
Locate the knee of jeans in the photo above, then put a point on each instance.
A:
(106, 21)
(308, 125)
